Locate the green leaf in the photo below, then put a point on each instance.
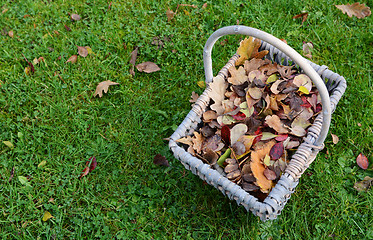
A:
(42, 164)
(267, 136)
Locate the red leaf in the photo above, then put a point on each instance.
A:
(281, 138)
(85, 172)
(226, 134)
(305, 104)
(259, 137)
(239, 116)
(362, 161)
(67, 28)
(30, 64)
(93, 163)
(276, 151)
(318, 108)
(160, 160)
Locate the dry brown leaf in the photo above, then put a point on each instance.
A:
(218, 88)
(160, 160)
(238, 76)
(148, 67)
(362, 161)
(258, 168)
(75, 17)
(238, 131)
(307, 49)
(275, 86)
(103, 86)
(245, 50)
(302, 15)
(364, 185)
(187, 5)
(356, 9)
(275, 122)
(209, 115)
(72, 59)
(170, 14)
(303, 80)
(133, 60)
(186, 140)
(197, 142)
(11, 34)
(82, 51)
(335, 138)
(255, 64)
(194, 97)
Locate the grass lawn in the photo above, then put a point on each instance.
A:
(53, 116)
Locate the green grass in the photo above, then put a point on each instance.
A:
(127, 196)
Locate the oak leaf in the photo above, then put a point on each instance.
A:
(245, 50)
(356, 9)
(103, 86)
(218, 88)
(238, 76)
(275, 123)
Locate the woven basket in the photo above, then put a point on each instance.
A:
(331, 87)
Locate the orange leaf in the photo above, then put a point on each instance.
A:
(72, 59)
(362, 161)
(258, 168)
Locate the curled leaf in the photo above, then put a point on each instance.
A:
(160, 160)
(356, 9)
(362, 161)
(335, 138)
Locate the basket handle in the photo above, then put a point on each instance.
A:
(290, 52)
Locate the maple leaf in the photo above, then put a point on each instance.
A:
(148, 67)
(356, 9)
(238, 76)
(103, 86)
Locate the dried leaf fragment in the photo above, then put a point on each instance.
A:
(335, 138)
(47, 215)
(9, 144)
(170, 14)
(356, 9)
(307, 49)
(275, 122)
(302, 15)
(90, 165)
(362, 161)
(11, 34)
(82, 51)
(364, 185)
(72, 59)
(160, 160)
(103, 86)
(148, 67)
(75, 17)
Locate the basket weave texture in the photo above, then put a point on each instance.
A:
(306, 153)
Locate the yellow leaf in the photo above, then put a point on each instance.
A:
(47, 216)
(89, 50)
(42, 164)
(27, 70)
(245, 50)
(303, 89)
(8, 144)
(201, 84)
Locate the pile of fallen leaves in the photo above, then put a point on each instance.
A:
(255, 121)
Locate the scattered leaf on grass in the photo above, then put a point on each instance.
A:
(90, 165)
(11, 174)
(133, 60)
(30, 65)
(82, 51)
(148, 67)
(11, 34)
(103, 86)
(72, 59)
(364, 185)
(307, 49)
(75, 17)
(67, 28)
(42, 164)
(47, 215)
(24, 181)
(8, 144)
(160, 160)
(356, 9)
(302, 15)
(362, 161)
(170, 14)
(335, 138)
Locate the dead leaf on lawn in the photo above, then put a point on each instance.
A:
(72, 59)
(302, 15)
(82, 51)
(335, 138)
(103, 86)
(11, 174)
(11, 33)
(90, 165)
(362, 161)
(194, 97)
(148, 67)
(364, 185)
(75, 17)
(67, 28)
(160, 160)
(356, 9)
(307, 49)
(47, 215)
(170, 14)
